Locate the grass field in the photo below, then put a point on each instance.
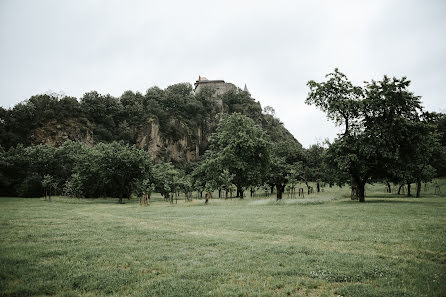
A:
(323, 245)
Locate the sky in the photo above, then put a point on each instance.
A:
(275, 47)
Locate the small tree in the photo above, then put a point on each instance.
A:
(186, 185)
(148, 188)
(165, 179)
(48, 184)
(73, 186)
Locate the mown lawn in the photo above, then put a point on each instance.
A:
(323, 245)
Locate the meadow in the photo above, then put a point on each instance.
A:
(322, 245)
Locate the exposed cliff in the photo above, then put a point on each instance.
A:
(57, 132)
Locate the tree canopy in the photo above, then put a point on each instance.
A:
(240, 147)
(383, 128)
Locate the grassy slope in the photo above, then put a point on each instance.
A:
(387, 247)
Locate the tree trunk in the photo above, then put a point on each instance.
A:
(418, 188)
(219, 193)
(318, 187)
(240, 192)
(308, 187)
(361, 192)
(120, 200)
(399, 189)
(280, 189)
(408, 190)
(389, 188)
(272, 189)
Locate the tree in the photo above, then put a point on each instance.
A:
(417, 156)
(310, 167)
(165, 179)
(48, 184)
(377, 118)
(242, 148)
(242, 102)
(338, 98)
(40, 160)
(73, 186)
(269, 110)
(112, 169)
(437, 121)
(283, 156)
(105, 111)
(186, 186)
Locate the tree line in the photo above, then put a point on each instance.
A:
(387, 137)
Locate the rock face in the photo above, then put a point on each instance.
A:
(56, 133)
(186, 148)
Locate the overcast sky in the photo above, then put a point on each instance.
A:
(275, 47)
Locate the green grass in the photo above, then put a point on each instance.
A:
(323, 245)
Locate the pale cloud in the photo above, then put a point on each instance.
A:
(274, 47)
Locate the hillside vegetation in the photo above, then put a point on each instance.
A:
(173, 124)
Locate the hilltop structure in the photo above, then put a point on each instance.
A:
(220, 86)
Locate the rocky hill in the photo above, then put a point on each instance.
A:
(173, 124)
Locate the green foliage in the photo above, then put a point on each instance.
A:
(166, 178)
(49, 184)
(176, 113)
(338, 98)
(102, 170)
(112, 169)
(73, 186)
(384, 135)
(240, 147)
(284, 155)
(241, 102)
(437, 121)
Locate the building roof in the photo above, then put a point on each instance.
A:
(204, 80)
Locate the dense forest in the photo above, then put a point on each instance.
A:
(174, 140)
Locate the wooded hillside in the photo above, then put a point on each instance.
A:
(173, 124)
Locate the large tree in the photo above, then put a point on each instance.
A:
(242, 148)
(111, 169)
(379, 121)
